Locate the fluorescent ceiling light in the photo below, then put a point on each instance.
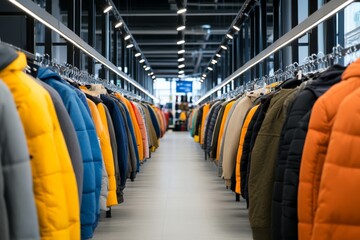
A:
(77, 43)
(180, 11)
(152, 73)
(180, 28)
(181, 59)
(210, 69)
(127, 37)
(180, 42)
(229, 36)
(181, 72)
(218, 55)
(119, 24)
(204, 75)
(201, 81)
(130, 45)
(142, 61)
(149, 74)
(107, 9)
(147, 68)
(153, 77)
(144, 66)
(213, 61)
(295, 36)
(137, 54)
(181, 66)
(223, 47)
(236, 28)
(181, 76)
(181, 51)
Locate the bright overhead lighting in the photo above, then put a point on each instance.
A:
(151, 73)
(181, 66)
(153, 77)
(107, 9)
(78, 43)
(201, 80)
(181, 76)
(142, 61)
(181, 72)
(180, 42)
(147, 68)
(236, 28)
(210, 69)
(130, 45)
(218, 55)
(181, 59)
(119, 24)
(229, 36)
(180, 28)
(213, 61)
(223, 47)
(137, 54)
(181, 51)
(204, 75)
(180, 11)
(144, 66)
(127, 37)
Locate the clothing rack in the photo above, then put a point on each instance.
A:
(66, 70)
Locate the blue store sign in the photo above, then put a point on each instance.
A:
(184, 86)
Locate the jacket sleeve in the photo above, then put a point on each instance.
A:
(17, 176)
(104, 189)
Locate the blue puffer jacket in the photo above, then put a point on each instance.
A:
(85, 131)
(121, 137)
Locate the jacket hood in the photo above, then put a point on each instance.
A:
(11, 60)
(326, 79)
(47, 73)
(352, 70)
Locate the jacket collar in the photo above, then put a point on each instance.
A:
(11, 60)
(352, 71)
(47, 73)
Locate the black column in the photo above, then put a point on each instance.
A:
(313, 39)
(91, 33)
(105, 43)
(276, 31)
(48, 31)
(294, 22)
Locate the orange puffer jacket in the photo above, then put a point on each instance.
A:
(338, 214)
(316, 146)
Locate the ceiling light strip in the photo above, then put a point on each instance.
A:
(51, 22)
(325, 12)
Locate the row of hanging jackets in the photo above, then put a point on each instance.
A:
(65, 151)
(291, 153)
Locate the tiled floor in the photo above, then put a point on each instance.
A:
(177, 196)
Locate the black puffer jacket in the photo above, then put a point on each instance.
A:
(211, 127)
(198, 121)
(300, 115)
(215, 136)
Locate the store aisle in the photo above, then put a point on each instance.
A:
(177, 195)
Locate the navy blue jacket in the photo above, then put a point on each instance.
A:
(154, 122)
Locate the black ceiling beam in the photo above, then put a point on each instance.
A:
(169, 14)
(174, 32)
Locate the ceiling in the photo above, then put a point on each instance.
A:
(153, 25)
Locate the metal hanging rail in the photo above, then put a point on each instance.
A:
(51, 22)
(325, 12)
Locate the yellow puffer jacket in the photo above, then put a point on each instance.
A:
(203, 120)
(99, 116)
(137, 131)
(54, 182)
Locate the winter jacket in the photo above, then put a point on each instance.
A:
(210, 123)
(232, 134)
(338, 215)
(244, 130)
(103, 135)
(121, 139)
(211, 126)
(198, 121)
(18, 217)
(114, 149)
(136, 128)
(143, 130)
(152, 132)
(203, 120)
(215, 135)
(222, 128)
(154, 121)
(260, 116)
(68, 130)
(57, 207)
(284, 205)
(133, 156)
(316, 145)
(263, 163)
(86, 134)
